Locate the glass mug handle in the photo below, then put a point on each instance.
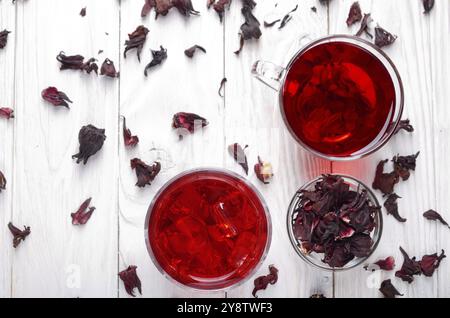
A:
(272, 74)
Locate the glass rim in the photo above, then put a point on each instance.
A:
(376, 234)
(396, 80)
(228, 173)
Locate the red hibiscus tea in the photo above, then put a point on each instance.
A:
(208, 229)
(339, 99)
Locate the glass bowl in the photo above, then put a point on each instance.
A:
(314, 258)
(193, 229)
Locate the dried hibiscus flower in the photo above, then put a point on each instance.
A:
(385, 182)
(136, 41)
(334, 220)
(4, 38)
(428, 5)
(128, 138)
(191, 51)
(188, 122)
(409, 268)
(434, 216)
(145, 173)
(430, 263)
(219, 6)
(6, 112)
(238, 154)
(83, 214)
(76, 62)
(387, 264)
(158, 57)
(404, 125)
(19, 235)
(383, 38)
(364, 28)
(388, 290)
(55, 97)
(162, 7)
(108, 69)
(391, 206)
(250, 29)
(263, 171)
(262, 282)
(403, 165)
(131, 280)
(2, 182)
(355, 14)
(91, 141)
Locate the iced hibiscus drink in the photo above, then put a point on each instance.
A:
(208, 229)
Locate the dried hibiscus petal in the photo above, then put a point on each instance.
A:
(287, 18)
(222, 86)
(391, 206)
(409, 268)
(430, 263)
(188, 122)
(158, 57)
(263, 171)
(108, 69)
(355, 14)
(219, 6)
(55, 97)
(6, 112)
(387, 264)
(18, 235)
(136, 41)
(364, 28)
(388, 290)
(262, 282)
(83, 12)
(83, 214)
(2, 182)
(404, 125)
(403, 165)
(238, 154)
(76, 62)
(162, 7)
(385, 182)
(383, 38)
(434, 216)
(318, 296)
(145, 173)
(4, 38)
(128, 138)
(428, 5)
(91, 141)
(250, 29)
(131, 280)
(191, 51)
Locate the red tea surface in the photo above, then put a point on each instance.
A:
(208, 230)
(338, 99)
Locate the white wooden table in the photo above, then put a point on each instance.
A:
(45, 185)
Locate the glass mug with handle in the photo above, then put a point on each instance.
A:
(341, 97)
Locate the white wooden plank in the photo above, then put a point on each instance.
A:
(59, 259)
(7, 21)
(411, 53)
(180, 84)
(439, 25)
(253, 118)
